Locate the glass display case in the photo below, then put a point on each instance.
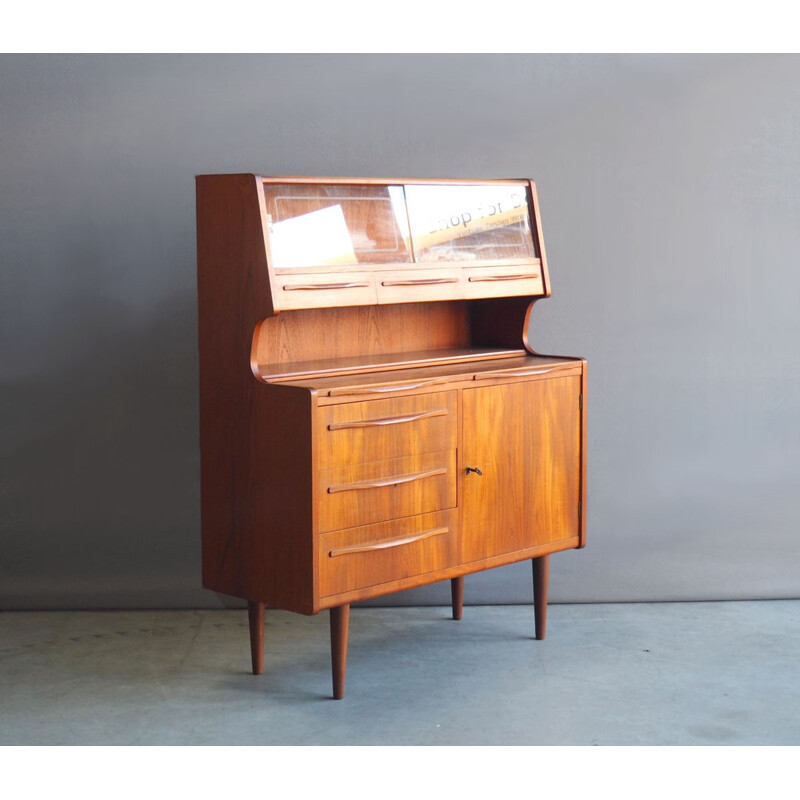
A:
(343, 225)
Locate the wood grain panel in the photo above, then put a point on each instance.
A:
(338, 333)
(419, 286)
(432, 378)
(525, 439)
(350, 494)
(448, 573)
(374, 554)
(387, 362)
(502, 281)
(255, 441)
(321, 291)
(380, 429)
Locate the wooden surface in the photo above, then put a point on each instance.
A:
(385, 362)
(296, 337)
(371, 555)
(322, 291)
(376, 430)
(416, 286)
(506, 281)
(340, 630)
(463, 568)
(541, 580)
(457, 594)
(336, 434)
(255, 442)
(525, 438)
(373, 385)
(359, 494)
(302, 179)
(255, 612)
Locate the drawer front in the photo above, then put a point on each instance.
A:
(503, 281)
(376, 430)
(323, 290)
(419, 286)
(389, 551)
(360, 494)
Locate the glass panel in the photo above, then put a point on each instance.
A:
(314, 225)
(470, 223)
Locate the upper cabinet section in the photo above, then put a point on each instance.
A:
(470, 223)
(366, 241)
(319, 225)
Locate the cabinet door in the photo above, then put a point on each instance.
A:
(525, 439)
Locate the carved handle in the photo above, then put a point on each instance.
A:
(391, 481)
(386, 387)
(370, 423)
(365, 548)
(419, 282)
(503, 277)
(313, 286)
(519, 374)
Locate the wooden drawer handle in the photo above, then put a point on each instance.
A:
(520, 374)
(504, 277)
(385, 387)
(306, 287)
(419, 282)
(391, 481)
(366, 548)
(370, 423)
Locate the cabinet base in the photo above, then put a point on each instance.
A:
(340, 623)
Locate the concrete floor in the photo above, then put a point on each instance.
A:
(668, 673)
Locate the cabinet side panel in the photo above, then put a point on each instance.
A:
(240, 420)
(584, 438)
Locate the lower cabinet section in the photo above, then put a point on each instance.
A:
(358, 494)
(374, 554)
(522, 456)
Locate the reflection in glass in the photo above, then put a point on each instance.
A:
(470, 223)
(318, 225)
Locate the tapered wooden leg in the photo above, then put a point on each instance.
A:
(541, 576)
(255, 612)
(340, 624)
(457, 591)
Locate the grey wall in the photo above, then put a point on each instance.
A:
(670, 193)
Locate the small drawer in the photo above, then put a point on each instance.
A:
(419, 286)
(354, 433)
(359, 494)
(503, 281)
(323, 290)
(390, 551)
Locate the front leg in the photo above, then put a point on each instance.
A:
(255, 613)
(457, 593)
(541, 577)
(340, 623)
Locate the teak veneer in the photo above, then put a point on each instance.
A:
(372, 414)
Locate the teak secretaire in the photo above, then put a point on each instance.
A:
(372, 414)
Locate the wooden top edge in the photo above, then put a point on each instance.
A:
(381, 181)
(435, 374)
(278, 373)
(369, 180)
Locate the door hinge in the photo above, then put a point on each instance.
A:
(580, 402)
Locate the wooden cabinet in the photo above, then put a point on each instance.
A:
(373, 416)
(526, 443)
